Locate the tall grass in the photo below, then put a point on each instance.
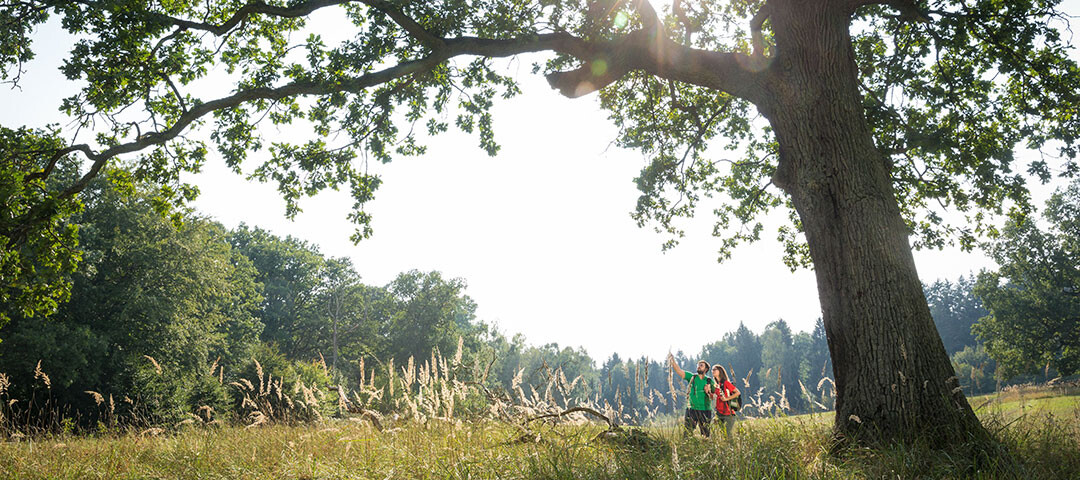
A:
(341, 448)
(437, 417)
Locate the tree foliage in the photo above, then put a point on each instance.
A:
(950, 88)
(147, 287)
(977, 370)
(1034, 321)
(432, 313)
(291, 273)
(34, 273)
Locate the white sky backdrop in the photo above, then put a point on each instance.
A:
(541, 232)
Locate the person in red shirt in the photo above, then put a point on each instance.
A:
(727, 391)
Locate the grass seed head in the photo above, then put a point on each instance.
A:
(259, 372)
(460, 350)
(157, 366)
(39, 374)
(98, 399)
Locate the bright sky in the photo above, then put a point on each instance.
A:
(542, 232)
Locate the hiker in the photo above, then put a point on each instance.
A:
(699, 412)
(725, 393)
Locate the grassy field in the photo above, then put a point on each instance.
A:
(1026, 401)
(1040, 429)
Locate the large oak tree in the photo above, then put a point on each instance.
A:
(881, 115)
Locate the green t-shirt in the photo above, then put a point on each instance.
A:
(699, 398)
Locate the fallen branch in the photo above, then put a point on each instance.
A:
(611, 425)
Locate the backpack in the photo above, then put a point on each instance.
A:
(735, 404)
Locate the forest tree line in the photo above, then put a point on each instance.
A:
(161, 289)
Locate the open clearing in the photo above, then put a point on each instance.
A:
(1041, 428)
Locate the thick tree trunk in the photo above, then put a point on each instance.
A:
(894, 380)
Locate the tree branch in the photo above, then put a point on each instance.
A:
(256, 7)
(242, 14)
(176, 91)
(611, 425)
(607, 62)
(649, 18)
(415, 29)
(680, 12)
(907, 8)
(456, 47)
(49, 166)
(756, 23)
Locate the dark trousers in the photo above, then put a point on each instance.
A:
(700, 418)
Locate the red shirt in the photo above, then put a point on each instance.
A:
(721, 406)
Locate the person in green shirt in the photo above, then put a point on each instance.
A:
(699, 412)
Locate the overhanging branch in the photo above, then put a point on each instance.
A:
(453, 48)
(649, 19)
(723, 71)
(604, 62)
(257, 7)
(607, 62)
(680, 13)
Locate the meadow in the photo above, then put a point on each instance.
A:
(437, 418)
(1038, 428)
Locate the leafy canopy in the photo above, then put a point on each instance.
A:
(145, 286)
(1034, 320)
(950, 87)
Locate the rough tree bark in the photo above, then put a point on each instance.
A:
(894, 380)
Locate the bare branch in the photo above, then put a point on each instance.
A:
(756, 23)
(611, 425)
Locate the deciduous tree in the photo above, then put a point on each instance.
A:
(1034, 320)
(879, 111)
(147, 287)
